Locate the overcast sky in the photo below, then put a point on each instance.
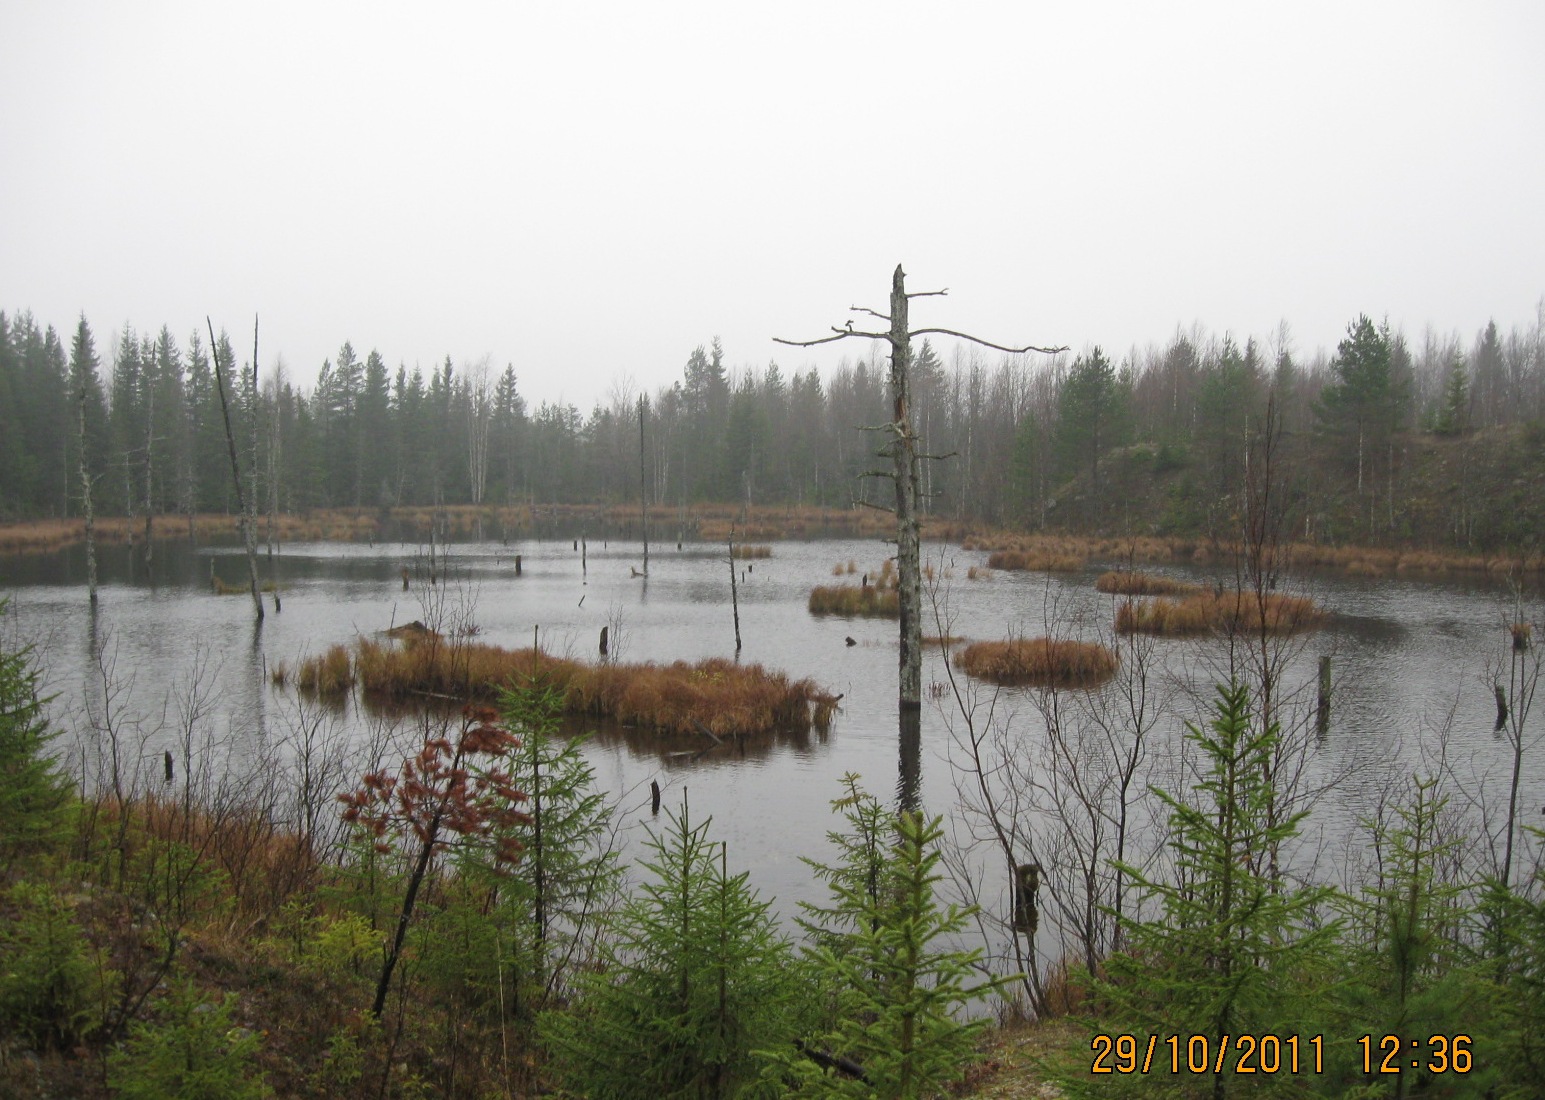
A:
(588, 191)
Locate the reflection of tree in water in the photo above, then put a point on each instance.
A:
(682, 750)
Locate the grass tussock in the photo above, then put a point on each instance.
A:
(1212, 612)
(1128, 583)
(872, 601)
(718, 695)
(329, 673)
(756, 553)
(1042, 662)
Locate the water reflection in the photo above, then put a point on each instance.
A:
(688, 750)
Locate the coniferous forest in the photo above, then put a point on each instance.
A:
(1388, 436)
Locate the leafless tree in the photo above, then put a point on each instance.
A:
(244, 505)
(902, 449)
(480, 412)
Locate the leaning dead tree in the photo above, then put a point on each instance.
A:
(248, 519)
(901, 448)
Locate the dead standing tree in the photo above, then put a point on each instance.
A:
(248, 519)
(902, 450)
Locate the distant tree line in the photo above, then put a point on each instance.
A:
(1038, 443)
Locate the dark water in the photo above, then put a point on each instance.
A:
(1406, 655)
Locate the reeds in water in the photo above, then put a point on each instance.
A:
(1226, 612)
(872, 601)
(1037, 560)
(753, 552)
(1123, 583)
(1042, 662)
(330, 673)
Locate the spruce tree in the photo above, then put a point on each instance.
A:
(1516, 1022)
(695, 978)
(1220, 949)
(541, 913)
(880, 953)
(1406, 971)
(1453, 415)
(33, 794)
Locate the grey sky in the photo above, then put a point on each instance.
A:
(588, 191)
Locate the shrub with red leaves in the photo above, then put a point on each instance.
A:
(450, 791)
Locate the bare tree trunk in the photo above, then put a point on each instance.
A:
(643, 485)
(150, 460)
(90, 513)
(904, 472)
(230, 444)
(271, 534)
(252, 495)
(908, 536)
(734, 591)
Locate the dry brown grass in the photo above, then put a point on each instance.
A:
(1043, 662)
(1124, 583)
(329, 673)
(1042, 561)
(871, 601)
(1360, 561)
(751, 552)
(1227, 612)
(1147, 550)
(1522, 634)
(716, 694)
(263, 862)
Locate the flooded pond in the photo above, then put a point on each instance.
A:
(1407, 655)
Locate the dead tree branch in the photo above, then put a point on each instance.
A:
(984, 343)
